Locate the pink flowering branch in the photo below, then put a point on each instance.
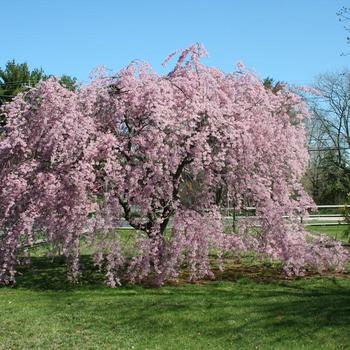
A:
(163, 153)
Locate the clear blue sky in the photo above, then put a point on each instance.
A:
(290, 40)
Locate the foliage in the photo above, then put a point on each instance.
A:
(17, 77)
(68, 82)
(326, 182)
(274, 86)
(73, 163)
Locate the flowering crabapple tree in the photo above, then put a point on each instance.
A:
(73, 164)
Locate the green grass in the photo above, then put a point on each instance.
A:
(246, 309)
(336, 232)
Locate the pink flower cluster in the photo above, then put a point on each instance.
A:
(161, 152)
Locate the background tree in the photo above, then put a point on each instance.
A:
(68, 82)
(344, 16)
(328, 175)
(324, 180)
(17, 77)
(274, 86)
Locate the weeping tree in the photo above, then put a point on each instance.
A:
(74, 163)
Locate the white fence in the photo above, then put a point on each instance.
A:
(313, 219)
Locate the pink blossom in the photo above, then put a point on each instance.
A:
(163, 153)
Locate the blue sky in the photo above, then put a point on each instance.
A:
(289, 40)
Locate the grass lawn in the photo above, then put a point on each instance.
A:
(252, 309)
(336, 232)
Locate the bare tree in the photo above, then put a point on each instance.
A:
(344, 17)
(330, 123)
(328, 175)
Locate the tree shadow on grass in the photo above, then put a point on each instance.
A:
(268, 314)
(239, 307)
(45, 273)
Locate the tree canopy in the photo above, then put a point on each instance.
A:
(75, 163)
